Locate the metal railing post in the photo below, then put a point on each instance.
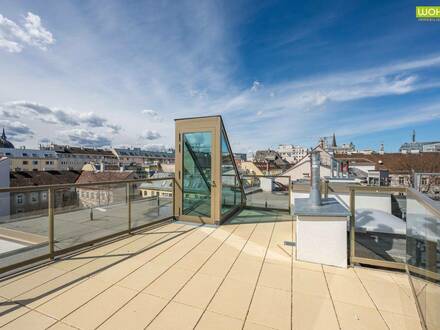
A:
(174, 198)
(128, 185)
(51, 207)
(326, 188)
(158, 204)
(352, 225)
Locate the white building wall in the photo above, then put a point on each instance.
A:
(302, 171)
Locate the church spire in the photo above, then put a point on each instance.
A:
(4, 134)
(334, 141)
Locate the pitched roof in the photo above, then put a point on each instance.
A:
(263, 157)
(138, 152)
(40, 178)
(83, 151)
(428, 162)
(92, 177)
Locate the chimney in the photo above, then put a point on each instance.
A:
(315, 193)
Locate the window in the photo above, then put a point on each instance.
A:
(25, 162)
(44, 196)
(35, 162)
(401, 180)
(19, 199)
(424, 181)
(34, 197)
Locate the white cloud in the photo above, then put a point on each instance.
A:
(150, 112)
(92, 119)
(51, 115)
(150, 135)
(155, 147)
(83, 137)
(16, 130)
(256, 85)
(13, 38)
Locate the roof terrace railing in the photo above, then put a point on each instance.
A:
(397, 228)
(43, 222)
(267, 192)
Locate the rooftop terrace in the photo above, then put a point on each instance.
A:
(215, 249)
(186, 276)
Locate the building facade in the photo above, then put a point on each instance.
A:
(31, 159)
(4, 183)
(36, 201)
(91, 196)
(292, 153)
(414, 146)
(138, 156)
(74, 158)
(417, 170)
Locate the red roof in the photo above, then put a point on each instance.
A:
(428, 162)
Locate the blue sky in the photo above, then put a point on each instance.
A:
(118, 72)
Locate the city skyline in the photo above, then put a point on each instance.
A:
(277, 72)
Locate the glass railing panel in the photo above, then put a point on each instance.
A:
(231, 193)
(231, 190)
(23, 226)
(268, 192)
(423, 257)
(89, 212)
(380, 226)
(151, 200)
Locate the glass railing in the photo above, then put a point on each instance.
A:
(24, 225)
(423, 254)
(379, 233)
(267, 192)
(37, 223)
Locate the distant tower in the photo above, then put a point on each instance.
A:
(414, 136)
(4, 143)
(382, 149)
(334, 145)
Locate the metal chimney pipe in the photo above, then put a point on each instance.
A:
(315, 193)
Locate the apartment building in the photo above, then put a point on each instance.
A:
(292, 153)
(36, 201)
(138, 156)
(4, 183)
(103, 195)
(399, 169)
(74, 158)
(31, 159)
